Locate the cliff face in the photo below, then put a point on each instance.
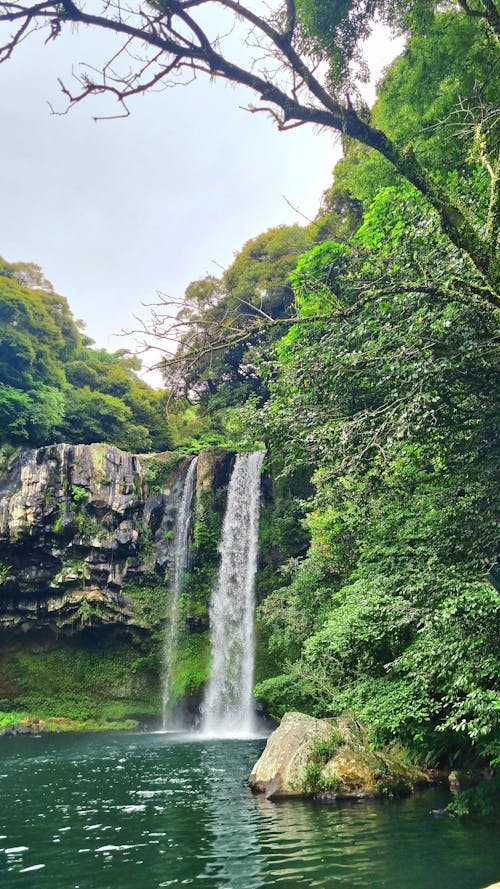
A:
(86, 551)
(75, 522)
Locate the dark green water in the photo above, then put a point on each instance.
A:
(143, 811)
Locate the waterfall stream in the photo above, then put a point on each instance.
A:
(228, 706)
(180, 565)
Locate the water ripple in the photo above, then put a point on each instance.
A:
(179, 813)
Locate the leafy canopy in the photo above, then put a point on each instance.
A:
(55, 387)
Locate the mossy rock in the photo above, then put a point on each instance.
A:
(331, 759)
(92, 678)
(192, 667)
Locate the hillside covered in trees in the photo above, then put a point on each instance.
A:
(54, 386)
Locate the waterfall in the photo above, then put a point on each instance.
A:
(180, 564)
(228, 705)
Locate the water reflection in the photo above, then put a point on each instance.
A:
(154, 811)
(235, 858)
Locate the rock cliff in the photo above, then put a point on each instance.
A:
(86, 551)
(78, 523)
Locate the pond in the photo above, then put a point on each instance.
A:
(139, 811)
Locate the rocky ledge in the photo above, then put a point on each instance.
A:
(330, 760)
(82, 526)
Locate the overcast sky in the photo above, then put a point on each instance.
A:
(117, 210)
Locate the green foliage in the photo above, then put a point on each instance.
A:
(436, 81)
(8, 454)
(27, 273)
(148, 596)
(334, 32)
(48, 723)
(481, 800)
(59, 521)
(79, 494)
(192, 667)
(82, 682)
(104, 383)
(54, 386)
(188, 424)
(87, 612)
(358, 176)
(96, 416)
(324, 749)
(314, 279)
(255, 283)
(439, 98)
(346, 761)
(395, 404)
(4, 572)
(8, 719)
(30, 416)
(200, 579)
(321, 752)
(288, 691)
(312, 776)
(159, 470)
(206, 536)
(266, 664)
(88, 527)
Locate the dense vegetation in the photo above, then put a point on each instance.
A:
(363, 350)
(55, 387)
(374, 363)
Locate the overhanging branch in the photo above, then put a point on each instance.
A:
(294, 94)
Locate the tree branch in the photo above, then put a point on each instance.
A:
(487, 11)
(294, 95)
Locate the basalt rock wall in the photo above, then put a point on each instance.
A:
(86, 551)
(79, 523)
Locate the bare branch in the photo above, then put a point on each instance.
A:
(175, 43)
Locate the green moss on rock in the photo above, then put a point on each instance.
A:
(331, 758)
(104, 680)
(192, 668)
(149, 599)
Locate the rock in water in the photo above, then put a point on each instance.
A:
(280, 770)
(331, 760)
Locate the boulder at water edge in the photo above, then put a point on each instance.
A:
(280, 770)
(332, 760)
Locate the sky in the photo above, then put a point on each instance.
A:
(118, 210)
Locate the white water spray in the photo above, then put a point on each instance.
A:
(180, 565)
(228, 706)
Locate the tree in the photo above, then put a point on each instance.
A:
(28, 273)
(394, 404)
(438, 94)
(255, 286)
(54, 386)
(281, 58)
